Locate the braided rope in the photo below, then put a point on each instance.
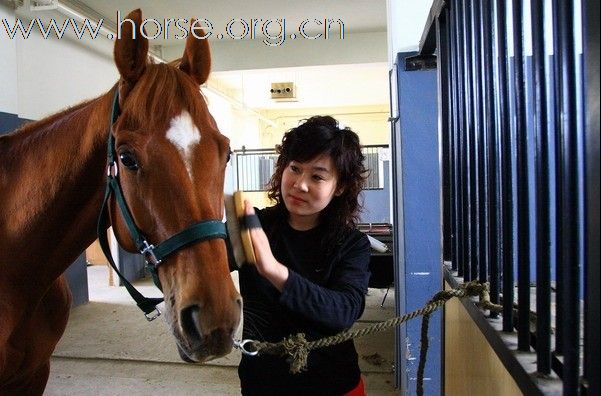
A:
(296, 347)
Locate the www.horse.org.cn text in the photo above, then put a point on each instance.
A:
(273, 31)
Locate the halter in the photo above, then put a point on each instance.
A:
(154, 255)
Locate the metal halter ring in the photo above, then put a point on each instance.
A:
(153, 315)
(112, 170)
(148, 253)
(241, 345)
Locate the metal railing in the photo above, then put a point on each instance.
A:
(515, 207)
(254, 167)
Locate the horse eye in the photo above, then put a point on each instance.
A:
(128, 160)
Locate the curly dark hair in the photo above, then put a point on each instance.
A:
(316, 136)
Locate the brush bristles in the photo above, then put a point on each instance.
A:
(239, 238)
(233, 229)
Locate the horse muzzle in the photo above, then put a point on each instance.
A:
(202, 340)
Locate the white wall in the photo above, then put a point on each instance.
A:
(240, 126)
(369, 122)
(254, 54)
(406, 20)
(55, 73)
(8, 66)
(42, 76)
(66, 75)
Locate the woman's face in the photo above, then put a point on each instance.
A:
(307, 188)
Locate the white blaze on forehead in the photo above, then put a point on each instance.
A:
(184, 135)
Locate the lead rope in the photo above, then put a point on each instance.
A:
(296, 347)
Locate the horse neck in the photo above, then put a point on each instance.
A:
(52, 189)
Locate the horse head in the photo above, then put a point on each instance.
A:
(171, 164)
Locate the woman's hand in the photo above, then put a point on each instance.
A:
(267, 266)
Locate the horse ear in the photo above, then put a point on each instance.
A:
(131, 49)
(196, 61)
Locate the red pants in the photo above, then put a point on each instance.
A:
(359, 389)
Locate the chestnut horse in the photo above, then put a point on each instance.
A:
(171, 163)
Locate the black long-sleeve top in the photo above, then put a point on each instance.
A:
(324, 294)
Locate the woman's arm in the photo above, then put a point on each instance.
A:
(267, 266)
(337, 306)
(342, 302)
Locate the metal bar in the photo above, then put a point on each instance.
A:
(559, 305)
(453, 117)
(242, 166)
(523, 207)
(543, 242)
(401, 377)
(474, 109)
(246, 151)
(492, 145)
(592, 231)
(458, 128)
(480, 141)
(470, 224)
(445, 124)
(465, 142)
(571, 196)
(255, 173)
(237, 165)
(505, 158)
(461, 159)
(590, 12)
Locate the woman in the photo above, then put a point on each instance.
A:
(312, 271)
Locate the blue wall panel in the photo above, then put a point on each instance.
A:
(377, 202)
(421, 255)
(9, 122)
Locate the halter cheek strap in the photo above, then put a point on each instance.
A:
(198, 232)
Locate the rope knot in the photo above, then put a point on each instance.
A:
(475, 288)
(296, 347)
(443, 296)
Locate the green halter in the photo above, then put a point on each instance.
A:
(201, 231)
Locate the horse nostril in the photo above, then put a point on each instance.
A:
(239, 302)
(190, 318)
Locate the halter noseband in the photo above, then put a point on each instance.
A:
(154, 255)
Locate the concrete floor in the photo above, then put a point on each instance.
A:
(110, 349)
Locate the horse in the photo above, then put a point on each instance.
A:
(171, 160)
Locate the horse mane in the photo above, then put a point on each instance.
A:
(175, 63)
(22, 139)
(42, 123)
